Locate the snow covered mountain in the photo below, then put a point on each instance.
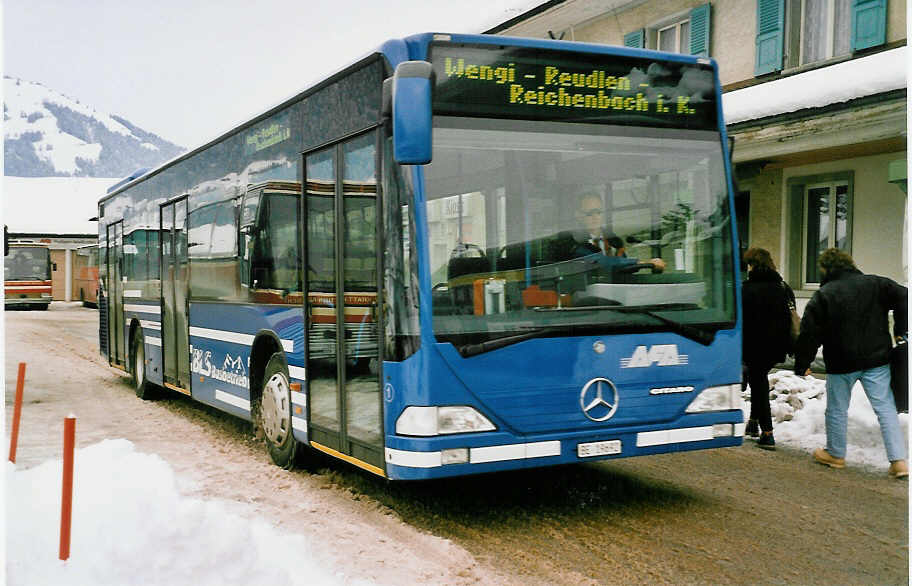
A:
(47, 134)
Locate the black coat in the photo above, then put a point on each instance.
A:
(767, 320)
(574, 244)
(848, 315)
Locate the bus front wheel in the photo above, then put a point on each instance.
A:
(275, 413)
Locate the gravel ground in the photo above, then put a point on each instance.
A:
(737, 515)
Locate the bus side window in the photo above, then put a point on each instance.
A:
(247, 235)
(275, 259)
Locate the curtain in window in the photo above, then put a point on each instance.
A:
(668, 40)
(813, 31)
(842, 28)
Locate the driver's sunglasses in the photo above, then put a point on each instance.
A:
(592, 212)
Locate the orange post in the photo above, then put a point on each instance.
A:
(17, 412)
(66, 508)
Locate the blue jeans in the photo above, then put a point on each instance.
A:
(876, 384)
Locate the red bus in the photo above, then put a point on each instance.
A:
(27, 276)
(85, 281)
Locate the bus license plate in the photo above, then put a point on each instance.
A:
(605, 448)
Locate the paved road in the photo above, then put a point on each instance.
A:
(734, 516)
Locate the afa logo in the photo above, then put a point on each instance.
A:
(659, 355)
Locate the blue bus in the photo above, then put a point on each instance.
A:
(382, 267)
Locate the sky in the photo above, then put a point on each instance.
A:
(132, 526)
(62, 215)
(189, 70)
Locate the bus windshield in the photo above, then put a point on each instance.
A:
(510, 208)
(27, 263)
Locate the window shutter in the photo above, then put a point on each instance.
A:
(770, 27)
(699, 30)
(635, 39)
(869, 23)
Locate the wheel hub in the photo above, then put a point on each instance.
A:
(275, 410)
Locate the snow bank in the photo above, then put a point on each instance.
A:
(131, 526)
(856, 78)
(798, 404)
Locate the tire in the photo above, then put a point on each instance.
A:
(274, 413)
(141, 385)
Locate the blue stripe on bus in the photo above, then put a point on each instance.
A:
(220, 359)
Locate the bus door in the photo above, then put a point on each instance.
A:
(174, 292)
(113, 265)
(341, 301)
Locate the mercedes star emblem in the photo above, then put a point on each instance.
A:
(594, 402)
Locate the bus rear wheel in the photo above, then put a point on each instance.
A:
(141, 385)
(274, 413)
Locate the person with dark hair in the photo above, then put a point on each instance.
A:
(765, 337)
(848, 315)
(593, 238)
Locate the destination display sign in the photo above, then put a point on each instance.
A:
(521, 82)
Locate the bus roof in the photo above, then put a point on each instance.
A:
(396, 51)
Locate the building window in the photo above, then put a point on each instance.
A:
(795, 33)
(688, 33)
(819, 216)
(827, 223)
(818, 30)
(675, 38)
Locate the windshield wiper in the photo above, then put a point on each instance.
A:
(694, 333)
(704, 337)
(482, 347)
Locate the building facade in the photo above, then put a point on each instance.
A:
(814, 98)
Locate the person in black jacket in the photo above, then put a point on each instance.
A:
(849, 316)
(765, 337)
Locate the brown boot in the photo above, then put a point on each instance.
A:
(822, 456)
(899, 469)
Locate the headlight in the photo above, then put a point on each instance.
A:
(426, 421)
(721, 398)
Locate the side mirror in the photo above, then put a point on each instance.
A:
(412, 83)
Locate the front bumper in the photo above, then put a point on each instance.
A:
(26, 302)
(422, 458)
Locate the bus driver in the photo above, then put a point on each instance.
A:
(595, 238)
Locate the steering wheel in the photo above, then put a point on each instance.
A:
(635, 267)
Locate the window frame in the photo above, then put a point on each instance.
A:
(832, 187)
(797, 209)
(794, 27)
(654, 30)
(679, 41)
